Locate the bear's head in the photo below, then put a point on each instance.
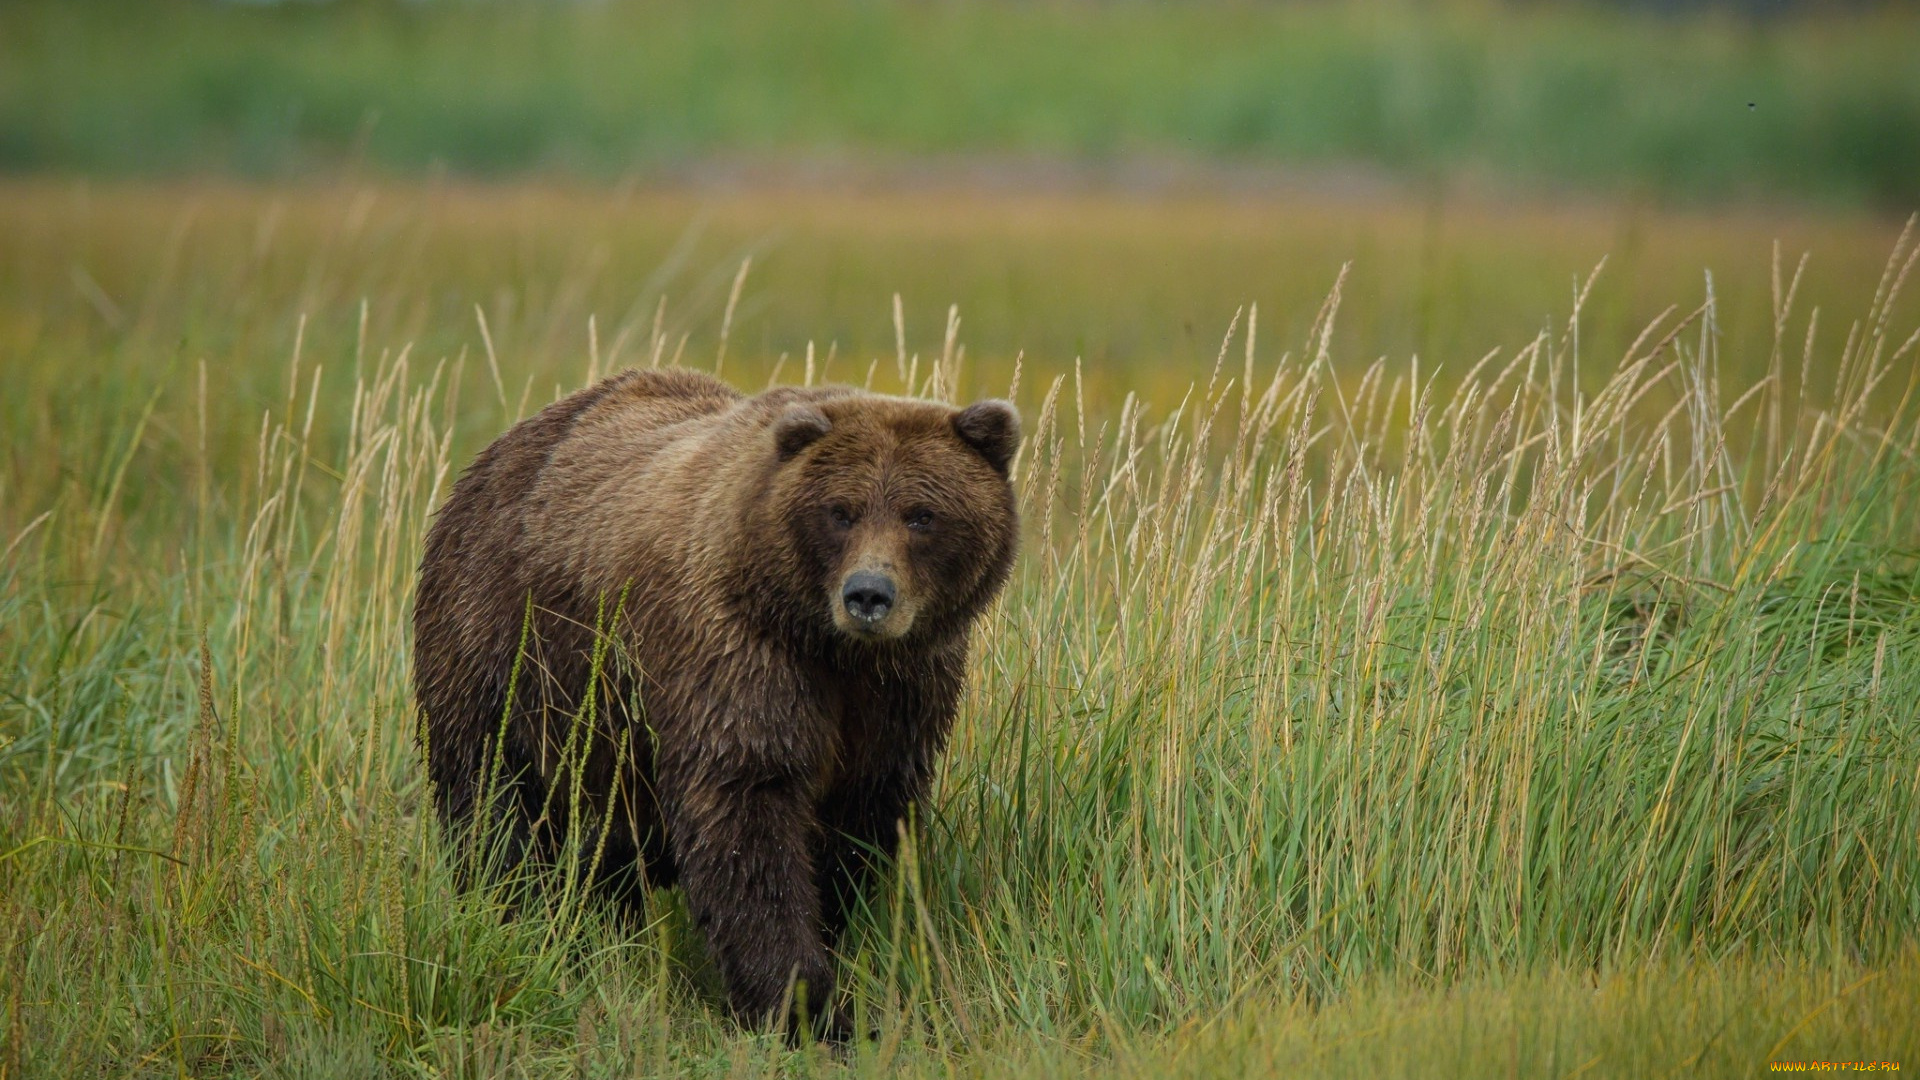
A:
(896, 517)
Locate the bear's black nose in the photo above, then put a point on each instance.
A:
(868, 596)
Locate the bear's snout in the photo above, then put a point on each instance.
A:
(868, 597)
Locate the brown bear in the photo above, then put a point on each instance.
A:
(773, 595)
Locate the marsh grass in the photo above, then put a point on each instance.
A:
(1333, 717)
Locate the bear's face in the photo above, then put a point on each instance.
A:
(899, 513)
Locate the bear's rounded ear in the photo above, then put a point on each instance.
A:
(991, 427)
(799, 428)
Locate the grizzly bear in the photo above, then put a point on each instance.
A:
(771, 596)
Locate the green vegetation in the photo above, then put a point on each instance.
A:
(1561, 716)
(1700, 107)
(136, 282)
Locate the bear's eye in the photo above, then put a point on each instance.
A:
(920, 520)
(841, 517)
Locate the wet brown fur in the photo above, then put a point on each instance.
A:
(744, 744)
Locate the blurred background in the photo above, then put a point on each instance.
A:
(1103, 181)
(1680, 99)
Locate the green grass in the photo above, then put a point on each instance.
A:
(1554, 716)
(1699, 107)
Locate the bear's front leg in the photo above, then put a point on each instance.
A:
(898, 726)
(862, 823)
(743, 841)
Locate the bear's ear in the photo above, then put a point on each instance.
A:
(799, 428)
(991, 427)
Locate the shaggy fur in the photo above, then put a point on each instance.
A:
(751, 738)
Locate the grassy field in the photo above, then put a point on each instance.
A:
(1551, 710)
(1702, 107)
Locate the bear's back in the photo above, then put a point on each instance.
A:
(485, 554)
(483, 518)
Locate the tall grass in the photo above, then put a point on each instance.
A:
(1325, 704)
